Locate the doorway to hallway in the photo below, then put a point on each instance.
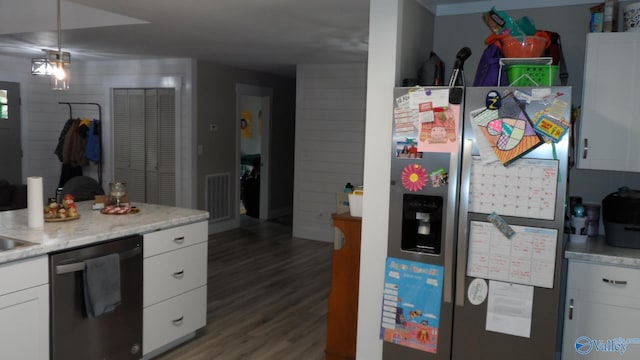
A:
(253, 129)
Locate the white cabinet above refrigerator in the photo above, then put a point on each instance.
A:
(609, 130)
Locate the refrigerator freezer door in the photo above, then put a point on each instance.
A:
(425, 167)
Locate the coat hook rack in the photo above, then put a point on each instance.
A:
(99, 138)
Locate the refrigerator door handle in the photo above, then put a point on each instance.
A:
(585, 148)
(450, 225)
(465, 180)
(571, 309)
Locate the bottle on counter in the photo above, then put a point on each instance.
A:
(59, 195)
(610, 16)
(579, 224)
(573, 201)
(348, 189)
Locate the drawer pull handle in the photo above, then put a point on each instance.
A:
(178, 274)
(571, 309)
(178, 321)
(585, 148)
(615, 282)
(179, 240)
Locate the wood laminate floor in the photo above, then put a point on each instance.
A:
(267, 296)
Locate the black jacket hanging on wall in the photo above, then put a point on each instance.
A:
(71, 149)
(63, 134)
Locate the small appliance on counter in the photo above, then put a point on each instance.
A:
(621, 217)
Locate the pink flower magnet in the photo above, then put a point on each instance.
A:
(414, 177)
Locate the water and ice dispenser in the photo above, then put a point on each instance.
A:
(422, 223)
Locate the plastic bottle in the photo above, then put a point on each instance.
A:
(59, 195)
(610, 15)
(348, 189)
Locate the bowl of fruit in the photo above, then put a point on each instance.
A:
(64, 211)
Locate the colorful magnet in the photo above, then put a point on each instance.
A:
(549, 127)
(493, 100)
(414, 177)
(439, 178)
(501, 224)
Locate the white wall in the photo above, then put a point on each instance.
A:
(43, 118)
(329, 143)
(216, 99)
(385, 15)
(398, 30)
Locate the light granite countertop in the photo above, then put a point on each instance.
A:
(91, 227)
(596, 250)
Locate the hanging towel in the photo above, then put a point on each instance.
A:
(101, 284)
(92, 150)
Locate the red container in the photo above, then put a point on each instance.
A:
(524, 46)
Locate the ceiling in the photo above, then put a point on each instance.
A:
(263, 35)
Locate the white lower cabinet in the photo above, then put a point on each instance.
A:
(174, 318)
(24, 309)
(602, 312)
(174, 284)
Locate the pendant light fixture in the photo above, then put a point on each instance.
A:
(56, 63)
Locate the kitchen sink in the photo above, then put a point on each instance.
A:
(8, 244)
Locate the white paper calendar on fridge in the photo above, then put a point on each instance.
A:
(527, 188)
(528, 258)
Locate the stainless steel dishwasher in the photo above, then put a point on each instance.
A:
(113, 335)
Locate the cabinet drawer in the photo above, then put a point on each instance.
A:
(170, 274)
(175, 238)
(612, 280)
(171, 319)
(23, 274)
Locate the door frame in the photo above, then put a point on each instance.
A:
(186, 148)
(266, 94)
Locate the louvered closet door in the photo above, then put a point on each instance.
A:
(161, 132)
(145, 143)
(151, 117)
(121, 135)
(129, 141)
(167, 146)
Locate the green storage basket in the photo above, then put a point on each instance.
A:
(532, 75)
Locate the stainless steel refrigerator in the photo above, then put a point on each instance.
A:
(476, 222)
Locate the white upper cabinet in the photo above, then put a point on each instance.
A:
(610, 117)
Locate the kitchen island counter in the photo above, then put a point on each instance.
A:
(92, 227)
(596, 250)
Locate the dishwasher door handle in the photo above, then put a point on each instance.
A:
(79, 266)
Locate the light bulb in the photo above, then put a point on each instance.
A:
(58, 72)
(60, 77)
